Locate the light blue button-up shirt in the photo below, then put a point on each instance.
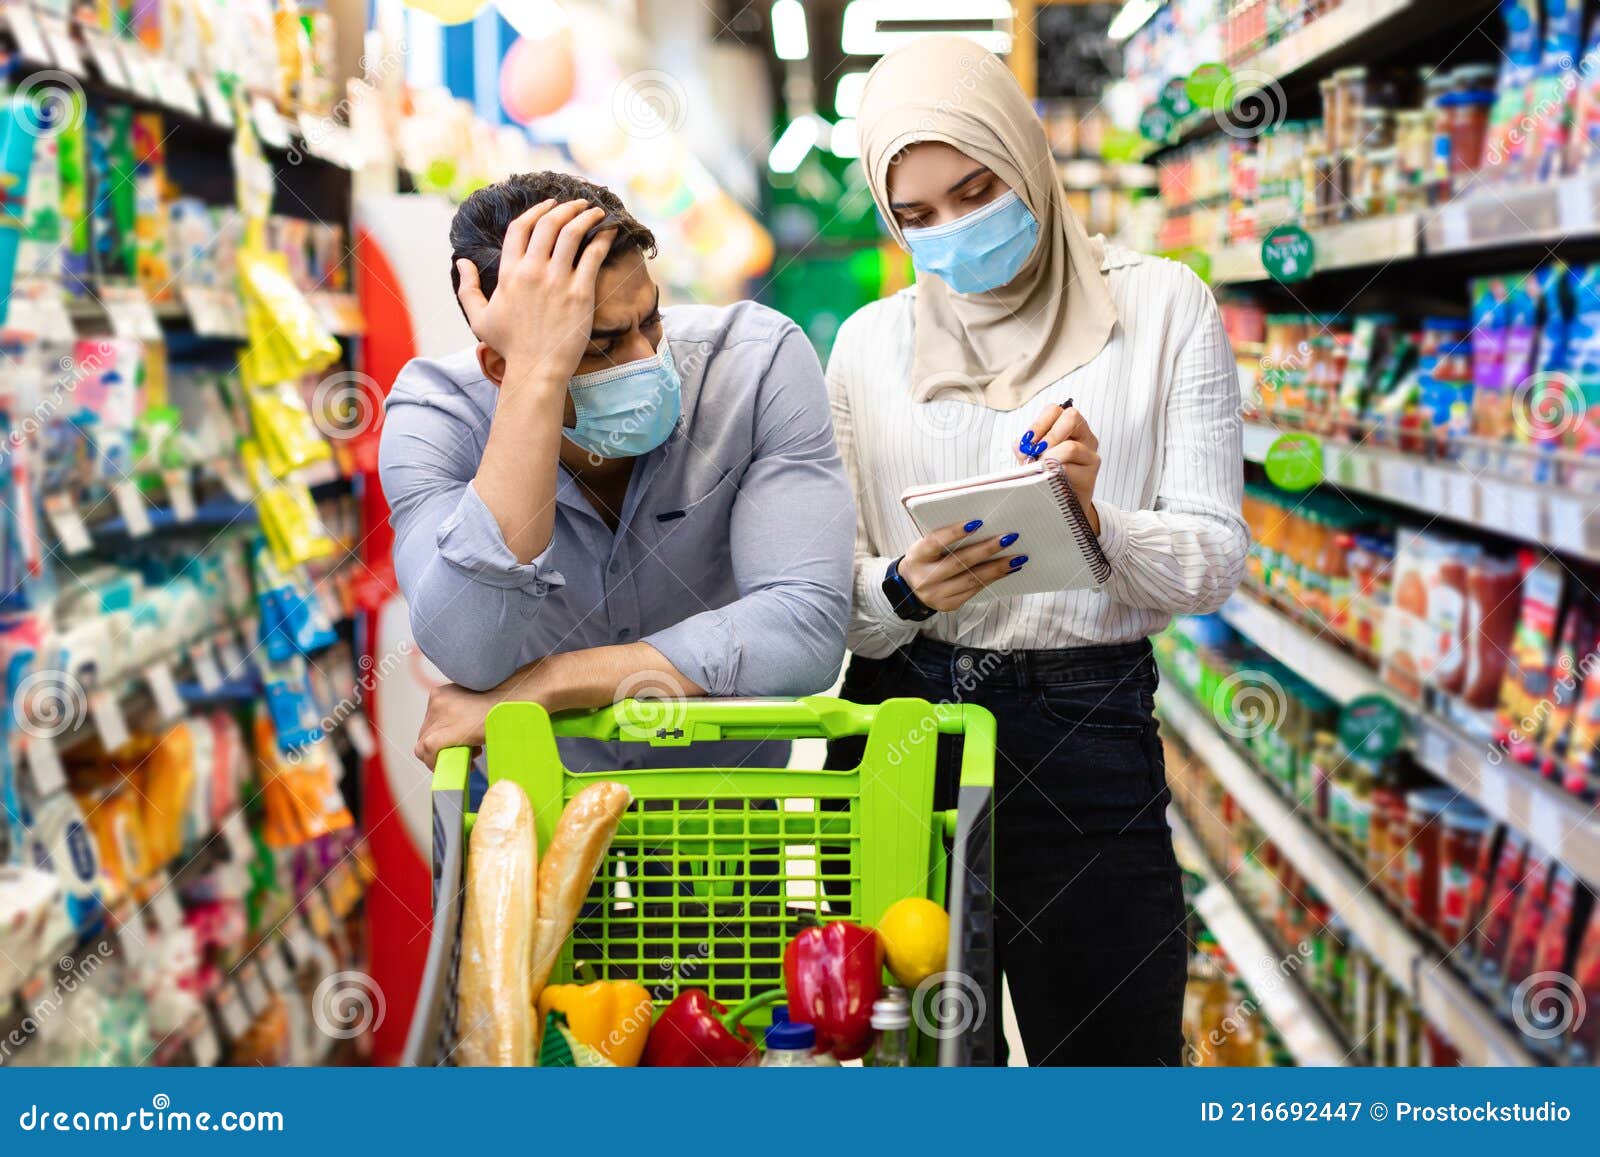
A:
(732, 557)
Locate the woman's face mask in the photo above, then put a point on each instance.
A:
(979, 252)
(627, 410)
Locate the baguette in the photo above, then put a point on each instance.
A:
(583, 834)
(494, 1003)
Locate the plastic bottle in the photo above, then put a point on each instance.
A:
(891, 1020)
(790, 1044)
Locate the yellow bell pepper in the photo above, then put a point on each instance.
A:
(610, 1016)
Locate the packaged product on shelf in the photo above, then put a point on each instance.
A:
(1575, 765)
(1578, 639)
(1539, 894)
(1423, 642)
(1508, 148)
(1528, 675)
(1462, 831)
(1490, 621)
(1555, 91)
(1583, 1038)
(1491, 416)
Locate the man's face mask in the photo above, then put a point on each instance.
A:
(979, 252)
(627, 410)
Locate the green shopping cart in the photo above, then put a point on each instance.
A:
(714, 870)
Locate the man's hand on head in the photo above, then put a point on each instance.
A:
(542, 307)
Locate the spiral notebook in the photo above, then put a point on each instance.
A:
(1036, 502)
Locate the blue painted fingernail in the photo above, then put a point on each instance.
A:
(1027, 436)
(1040, 448)
(1008, 539)
(1018, 561)
(973, 525)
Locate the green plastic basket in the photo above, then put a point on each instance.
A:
(714, 870)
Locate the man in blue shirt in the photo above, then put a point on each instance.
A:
(605, 498)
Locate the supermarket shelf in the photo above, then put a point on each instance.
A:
(1412, 964)
(1549, 516)
(1375, 241)
(1333, 669)
(1316, 45)
(1517, 215)
(1309, 1036)
(1559, 822)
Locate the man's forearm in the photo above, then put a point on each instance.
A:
(516, 477)
(594, 677)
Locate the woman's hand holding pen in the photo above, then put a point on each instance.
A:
(1060, 432)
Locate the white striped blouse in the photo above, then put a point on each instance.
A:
(1163, 399)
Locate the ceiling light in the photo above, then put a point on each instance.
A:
(842, 141)
(1133, 16)
(864, 34)
(796, 141)
(789, 39)
(847, 93)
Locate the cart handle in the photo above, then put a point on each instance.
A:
(680, 722)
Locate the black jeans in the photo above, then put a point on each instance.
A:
(1090, 912)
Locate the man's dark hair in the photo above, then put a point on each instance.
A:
(479, 228)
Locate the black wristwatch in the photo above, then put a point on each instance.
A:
(902, 598)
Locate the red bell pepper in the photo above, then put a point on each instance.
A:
(691, 1033)
(832, 974)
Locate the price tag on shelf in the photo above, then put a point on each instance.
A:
(1455, 226)
(164, 690)
(180, 493)
(63, 48)
(176, 89)
(1460, 495)
(131, 505)
(233, 480)
(268, 121)
(204, 662)
(1567, 521)
(232, 658)
(231, 1009)
(298, 938)
(1576, 196)
(1547, 823)
(44, 765)
(1431, 487)
(1496, 504)
(254, 988)
(277, 972)
(107, 62)
(1494, 789)
(26, 32)
(1434, 748)
(130, 312)
(164, 907)
(109, 720)
(360, 733)
(216, 102)
(203, 1042)
(67, 524)
(141, 69)
(40, 308)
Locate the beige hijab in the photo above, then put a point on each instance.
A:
(999, 348)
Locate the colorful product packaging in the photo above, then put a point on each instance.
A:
(1528, 675)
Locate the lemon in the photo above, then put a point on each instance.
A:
(916, 935)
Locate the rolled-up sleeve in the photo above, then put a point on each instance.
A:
(792, 530)
(468, 595)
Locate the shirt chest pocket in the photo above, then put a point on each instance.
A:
(699, 528)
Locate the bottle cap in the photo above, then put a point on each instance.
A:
(784, 1033)
(891, 1012)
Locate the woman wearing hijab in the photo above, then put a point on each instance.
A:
(1021, 331)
